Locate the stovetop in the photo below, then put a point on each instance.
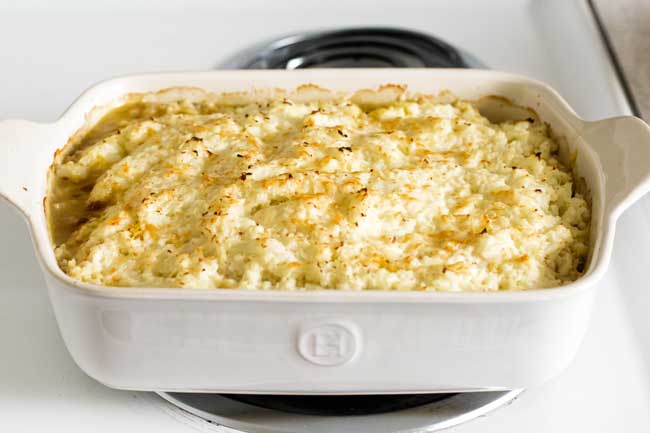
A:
(47, 60)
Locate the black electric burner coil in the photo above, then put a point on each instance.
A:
(355, 48)
(349, 48)
(338, 405)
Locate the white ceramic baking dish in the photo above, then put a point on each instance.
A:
(331, 342)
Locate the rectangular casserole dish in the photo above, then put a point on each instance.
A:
(330, 342)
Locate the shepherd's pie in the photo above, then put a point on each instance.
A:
(414, 193)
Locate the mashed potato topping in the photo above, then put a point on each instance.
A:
(419, 193)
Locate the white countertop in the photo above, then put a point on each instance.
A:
(48, 59)
(628, 25)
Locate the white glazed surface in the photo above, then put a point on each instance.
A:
(238, 341)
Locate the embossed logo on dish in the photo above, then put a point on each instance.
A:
(329, 343)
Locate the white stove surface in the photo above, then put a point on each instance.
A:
(49, 58)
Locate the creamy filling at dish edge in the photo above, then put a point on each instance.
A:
(422, 193)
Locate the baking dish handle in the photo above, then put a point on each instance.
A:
(623, 147)
(24, 161)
